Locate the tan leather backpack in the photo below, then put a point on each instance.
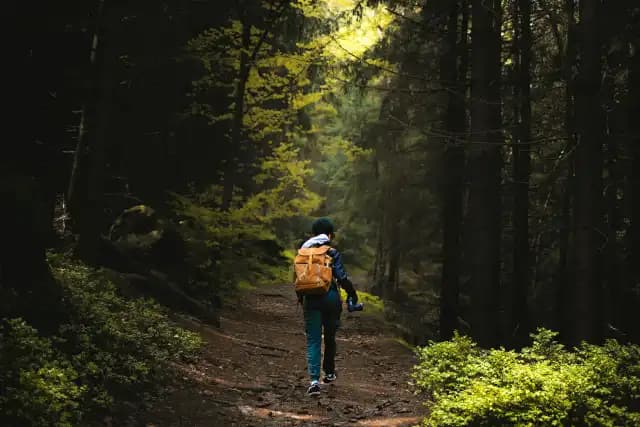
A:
(313, 271)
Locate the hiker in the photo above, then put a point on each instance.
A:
(320, 298)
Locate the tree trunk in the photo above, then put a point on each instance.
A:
(27, 288)
(79, 155)
(454, 121)
(584, 309)
(378, 269)
(85, 190)
(521, 172)
(393, 274)
(238, 115)
(485, 166)
(612, 296)
(91, 216)
(563, 276)
(632, 318)
(616, 130)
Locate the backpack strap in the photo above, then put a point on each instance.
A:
(328, 258)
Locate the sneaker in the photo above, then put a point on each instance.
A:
(329, 378)
(314, 389)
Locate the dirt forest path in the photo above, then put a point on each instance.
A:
(253, 373)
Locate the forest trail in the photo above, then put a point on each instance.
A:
(253, 373)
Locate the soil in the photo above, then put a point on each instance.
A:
(253, 373)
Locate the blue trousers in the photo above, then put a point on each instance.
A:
(322, 314)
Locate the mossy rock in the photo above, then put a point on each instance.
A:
(140, 234)
(138, 220)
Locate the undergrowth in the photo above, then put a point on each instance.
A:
(110, 349)
(373, 305)
(543, 385)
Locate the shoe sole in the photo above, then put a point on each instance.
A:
(314, 393)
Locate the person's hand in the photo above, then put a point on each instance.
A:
(352, 302)
(352, 297)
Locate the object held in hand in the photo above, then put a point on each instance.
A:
(354, 307)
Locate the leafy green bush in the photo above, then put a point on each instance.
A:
(544, 384)
(38, 385)
(242, 243)
(116, 343)
(373, 305)
(111, 349)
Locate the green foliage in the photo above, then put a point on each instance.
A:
(343, 171)
(373, 304)
(116, 343)
(544, 384)
(292, 82)
(111, 349)
(279, 82)
(286, 194)
(242, 243)
(39, 386)
(277, 86)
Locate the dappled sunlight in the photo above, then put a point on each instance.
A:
(360, 28)
(234, 385)
(368, 388)
(390, 422)
(340, 5)
(354, 39)
(270, 413)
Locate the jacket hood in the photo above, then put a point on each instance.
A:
(318, 240)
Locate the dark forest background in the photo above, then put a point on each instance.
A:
(480, 158)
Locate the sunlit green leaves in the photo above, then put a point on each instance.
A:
(545, 384)
(228, 236)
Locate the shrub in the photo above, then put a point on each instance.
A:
(544, 384)
(118, 346)
(39, 386)
(111, 349)
(242, 243)
(373, 304)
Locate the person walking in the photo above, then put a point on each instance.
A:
(322, 308)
